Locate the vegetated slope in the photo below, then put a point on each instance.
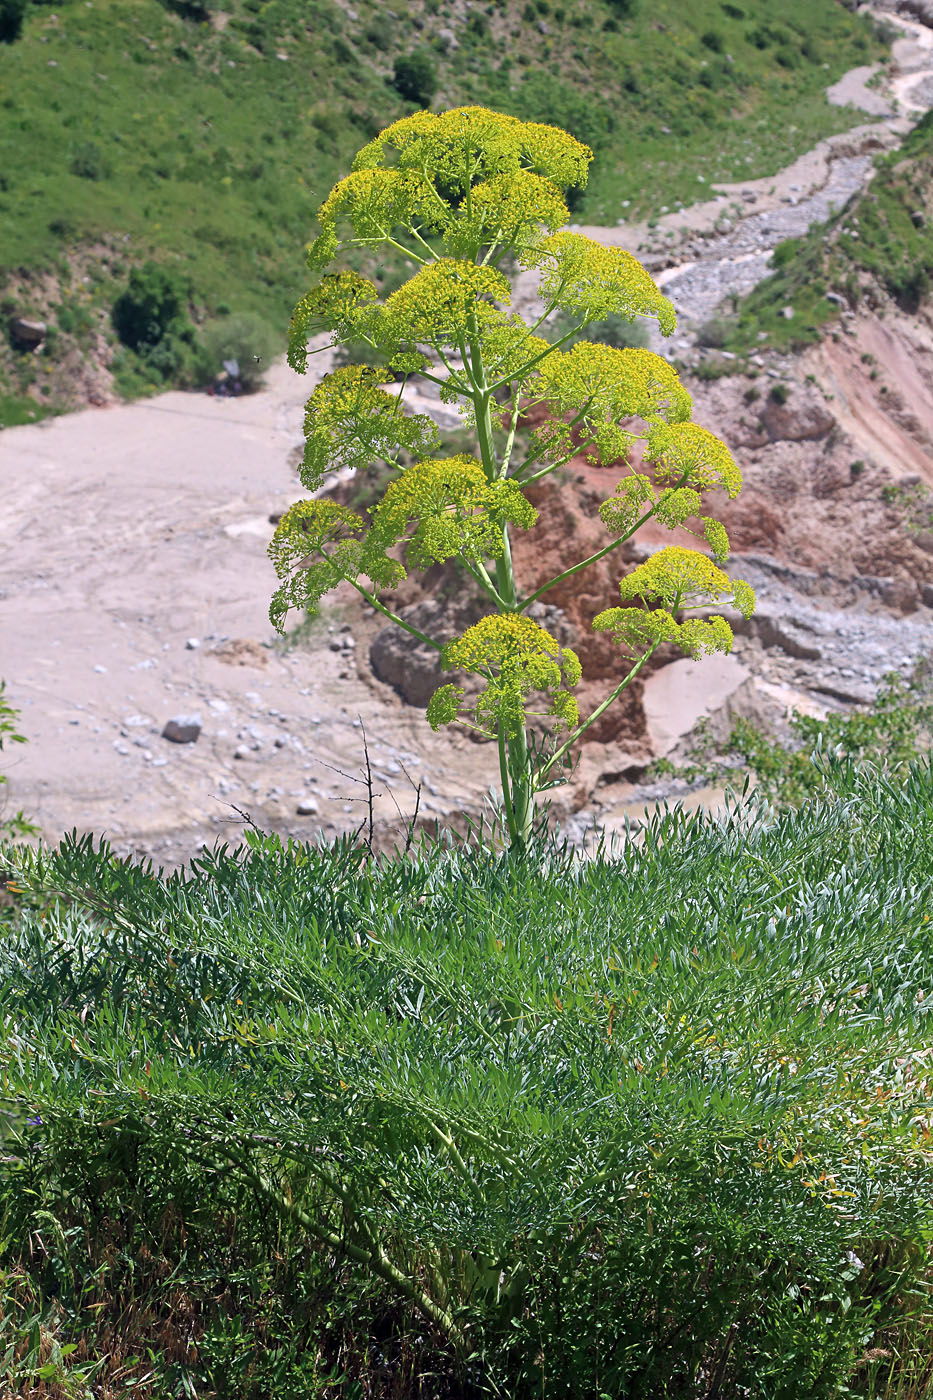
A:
(206, 137)
(879, 247)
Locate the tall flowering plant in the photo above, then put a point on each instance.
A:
(466, 195)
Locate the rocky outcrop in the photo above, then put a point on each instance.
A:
(26, 334)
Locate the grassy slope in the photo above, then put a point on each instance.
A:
(881, 242)
(131, 131)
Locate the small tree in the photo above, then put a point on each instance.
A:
(461, 194)
(414, 77)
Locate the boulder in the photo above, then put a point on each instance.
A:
(182, 729)
(25, 334)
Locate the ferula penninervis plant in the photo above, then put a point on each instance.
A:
(465, 195)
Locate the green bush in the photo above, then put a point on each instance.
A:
(89, 162)
(12, 14)
(154, 304)
(414, 77)
(647, 1124)
(245, 338)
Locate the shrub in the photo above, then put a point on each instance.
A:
(714, 333)
(154, 304)
(89, 162)
(414, 77)
(779, 393)
(12, 14)
(244, 338)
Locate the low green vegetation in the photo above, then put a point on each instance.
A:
(12, 824)
(892, 732)
(203, 137)
(303, 1122)
(881, 242)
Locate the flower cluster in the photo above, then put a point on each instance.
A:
(635, 496)
(434, 305)
(374, 202)
(684, 578)
(456, 510)
(687, 451)
(638, 631)
(316, 545)
(341, 302)
(510, 209)
(517, 657)
(594, 282)
(468, 145)
(350, 422)
(603, 387)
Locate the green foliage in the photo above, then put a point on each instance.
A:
(893, 731)
(12, 13)
(539, 1125)
(151, 318)
(89, 162)
(155, 304)
(15, 825)
(211, 161)
(245, 338)
(414, 77)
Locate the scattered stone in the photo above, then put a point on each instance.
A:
(280, 741)
(121, 748)
(192, 643)
(25, 334)
(101, 670)
(307, 807)
(182, 729)
(241, 752)
(220, 706)
(788, 313)
(918, 218)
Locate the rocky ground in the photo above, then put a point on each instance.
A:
(135, 585)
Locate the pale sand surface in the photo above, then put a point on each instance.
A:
(127, 531)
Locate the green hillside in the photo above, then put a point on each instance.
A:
(879, 246)
(205, 137)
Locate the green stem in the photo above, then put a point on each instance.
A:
(506, 787)
(600, 710)
(593, 558)
(374, 1258)
(394, 617)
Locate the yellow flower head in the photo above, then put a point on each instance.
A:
(341, 302)
(685, 450)
(469, 145)
(638, 632)
(455, 508)
(685, 578)
(512, 209)
(594, 282)
(374, 202)
(350, 422)
(433, 306)
(517, 657)
(316, 545)
(614, 384)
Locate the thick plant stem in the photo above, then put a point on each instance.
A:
(517, 779)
